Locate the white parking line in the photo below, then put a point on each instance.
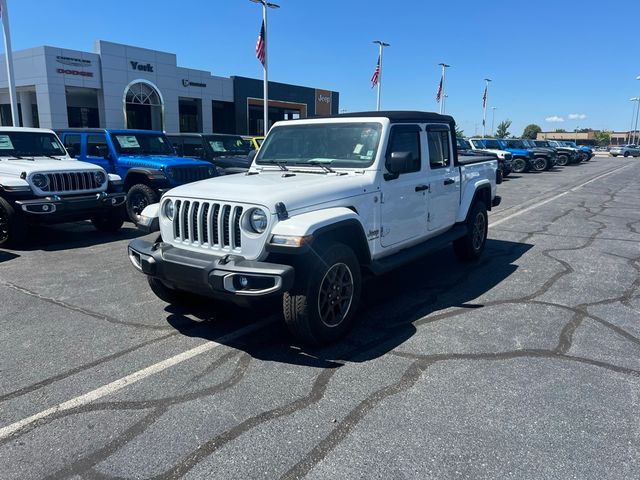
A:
(130, 379)
(555, 197)
(181, 357)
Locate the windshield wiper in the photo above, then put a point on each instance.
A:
(51, 156)
(281, 163)
(324, 164)
(16, 157)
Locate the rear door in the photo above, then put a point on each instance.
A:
(444, 179)
(404, 199)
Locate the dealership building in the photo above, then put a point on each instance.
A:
(122, 86)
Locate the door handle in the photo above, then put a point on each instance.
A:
(449, 181)
(421, 188)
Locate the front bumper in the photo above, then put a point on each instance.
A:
(228, 277)
(54, 207)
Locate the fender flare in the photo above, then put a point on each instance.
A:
(155, 176)
(469, 195)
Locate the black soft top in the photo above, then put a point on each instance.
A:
(402, 116)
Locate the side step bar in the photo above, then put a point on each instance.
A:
(386, 264)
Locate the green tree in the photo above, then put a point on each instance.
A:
(602, 138)
(531, 131)
(560, 130)
(459, 132)
(503, 129)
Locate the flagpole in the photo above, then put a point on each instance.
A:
(381, 45)
(484, 107)
(9, 58)
(265, 65)
(442, 92)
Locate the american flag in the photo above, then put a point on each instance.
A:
(376, 74)
(439, 92)
(260, 44)
(484, 97)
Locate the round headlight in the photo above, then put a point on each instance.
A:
(258, 220)
(168, 209)
(100, 177)
(40, 181)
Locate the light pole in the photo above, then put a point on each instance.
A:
(484, 106)
(265, 64)
(633, 116)
(442, 92)
(381, 46)
(635, 128)
(493, 117)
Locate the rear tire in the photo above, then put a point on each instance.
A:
(470, 246)
(322, 305)
(110, 222)
(139, 197)
(626, 154)
(13, 228)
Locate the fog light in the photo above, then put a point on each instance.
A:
(113, 201)
(45, 208)
(244, 282)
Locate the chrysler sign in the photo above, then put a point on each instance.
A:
(73, 62)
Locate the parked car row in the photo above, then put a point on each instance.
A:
(532, 155)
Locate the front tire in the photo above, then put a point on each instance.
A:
(13, 228)
(626, 154)
(519, 165)
(563, 160)
(322, 305)
(109, 223)
(540, 164)
(470, 246)
(139, 197)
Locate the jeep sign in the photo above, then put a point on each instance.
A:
(323, 102)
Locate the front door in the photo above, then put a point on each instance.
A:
(95, 149)
(444, 191)
(404, 198)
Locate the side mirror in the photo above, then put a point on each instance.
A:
(103, 151)
(71, 151)
(252, 154)
(399, 162)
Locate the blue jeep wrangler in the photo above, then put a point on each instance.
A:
(145, 160)
(522, 157)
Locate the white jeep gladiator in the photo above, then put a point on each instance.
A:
(324, 200)
(40, 183)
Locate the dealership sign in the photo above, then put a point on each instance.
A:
(73, 62)
(323, 102)
(189, 83)
(80, 73)
(140, 67)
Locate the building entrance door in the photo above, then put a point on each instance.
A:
(143, 106)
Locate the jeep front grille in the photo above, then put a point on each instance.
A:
(208, 224)
(189, 174)
(71, 182)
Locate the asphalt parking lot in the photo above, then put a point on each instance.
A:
(523, 365)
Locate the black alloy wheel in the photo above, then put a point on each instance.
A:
(519, 165)
(562, 160)
(4, 225)
(336, 295)
(540, 164)
(139, 197)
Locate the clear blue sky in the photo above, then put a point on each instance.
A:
(546, 58)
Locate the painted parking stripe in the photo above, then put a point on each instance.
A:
(131, 379)
(181, 357)
(555, 197)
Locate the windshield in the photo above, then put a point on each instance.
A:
(570, 144)
(494, 144)
(142, 144)
(541, 143)
(463, 144)
(350, 145)
(30, 144)
(223, 145)
(515, 144)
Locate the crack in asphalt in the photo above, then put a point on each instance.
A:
(412, 374)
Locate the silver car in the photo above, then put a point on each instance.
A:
(625, 151)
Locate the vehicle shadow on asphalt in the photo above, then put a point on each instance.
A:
(6, 256)
(389, 306)
(67, 236)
